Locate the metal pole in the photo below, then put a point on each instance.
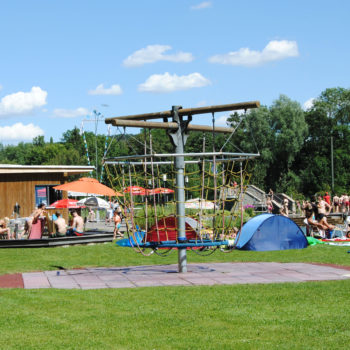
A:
(332, 165)
(179, 139)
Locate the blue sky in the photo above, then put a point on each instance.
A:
(60, 60)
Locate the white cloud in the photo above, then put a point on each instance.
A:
(308, 104)
(101, 90)
(71, 113)
(222, 121)
(155, 53)
(168, 83)
(19, 132)
(273, 51)
(22, 102)
(202, 5)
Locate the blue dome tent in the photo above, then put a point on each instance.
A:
(271, 232)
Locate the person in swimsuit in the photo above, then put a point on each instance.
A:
(269, 205)
(321, 217)
(308, 208)
(336, 203)
(77, 228)
(4, 230)
(117, 223)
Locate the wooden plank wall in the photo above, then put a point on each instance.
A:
(20, 188)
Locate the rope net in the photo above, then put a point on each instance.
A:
(213, 186)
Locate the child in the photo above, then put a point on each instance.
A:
(117, 223)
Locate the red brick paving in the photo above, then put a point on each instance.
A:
(11, 281)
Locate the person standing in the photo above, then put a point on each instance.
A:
(285, 207)
(269, 205)
(109, 213)
(346, 202)
(270, 194)
(327, 198)
(336, 203)
(117, 223)
(298, 209)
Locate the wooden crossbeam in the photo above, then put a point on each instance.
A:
(189, 111)
(168, 125)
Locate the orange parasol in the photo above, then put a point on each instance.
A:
(88, 185)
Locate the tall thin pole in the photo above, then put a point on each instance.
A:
(97, 114)
(179, 139)
(332, 164)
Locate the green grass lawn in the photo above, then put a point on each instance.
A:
(274, 316)
(22, 260)
(313, 315)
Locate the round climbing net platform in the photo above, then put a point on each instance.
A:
(214, 186)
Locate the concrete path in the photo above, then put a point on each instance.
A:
(166, 275)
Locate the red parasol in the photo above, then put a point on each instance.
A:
(136, 190)
(66, 203)
(163, 190)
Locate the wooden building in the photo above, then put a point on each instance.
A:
(23, 187)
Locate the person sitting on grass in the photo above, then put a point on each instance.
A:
(117, 223)
(77, 228)
(60, 225)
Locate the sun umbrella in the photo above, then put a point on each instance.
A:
(88, 185)
(66, 203)
(198, 203)
(136, 190)
(164, 190)
(94, 202)
(160, 190)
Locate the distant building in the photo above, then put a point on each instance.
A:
(23, 187)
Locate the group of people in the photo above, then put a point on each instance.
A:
(340, 204)
(77, 228)
(40, 215)
(284, 210)
(337, 204)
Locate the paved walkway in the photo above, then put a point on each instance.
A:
(166, 275)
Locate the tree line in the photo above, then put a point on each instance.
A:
(295, 146)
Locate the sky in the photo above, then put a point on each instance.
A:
(61, 60)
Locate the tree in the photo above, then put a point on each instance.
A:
(329, 117)
(289, 131)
